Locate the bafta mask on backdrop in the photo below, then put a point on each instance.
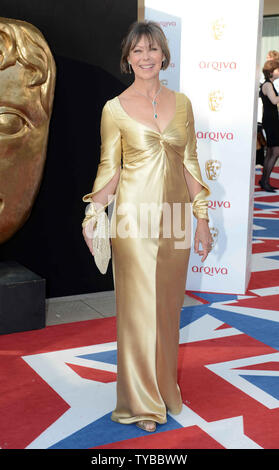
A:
(215, 100)
(218, 28)
(214, 233)
(212, 169)
(27, 83)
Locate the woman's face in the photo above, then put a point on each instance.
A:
(146, 59)
(275, 74)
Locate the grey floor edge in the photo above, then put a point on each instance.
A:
(82, 307)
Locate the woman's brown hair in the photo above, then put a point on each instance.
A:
(269, 67)
(153, 32)
(273, 55)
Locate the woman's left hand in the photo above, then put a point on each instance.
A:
(204, 237)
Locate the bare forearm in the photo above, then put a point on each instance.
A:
(107, 191)
(194, 187)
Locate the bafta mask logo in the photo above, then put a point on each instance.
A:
(218, 29)
(215, 100)
(214, 233)
(212, 169)
(27, 82)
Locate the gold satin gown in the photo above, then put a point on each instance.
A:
(149, 272)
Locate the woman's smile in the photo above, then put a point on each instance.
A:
(146, 66)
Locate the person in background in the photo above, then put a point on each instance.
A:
(270, 121)
(271, 55)
(274, 55)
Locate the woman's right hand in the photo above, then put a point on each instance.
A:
(87, 233)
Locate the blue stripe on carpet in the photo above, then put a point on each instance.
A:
(266, 331)
(110, 357)
(266, 383)
(215, 297)
(272, 257)
(266, 206)
(104, 431)
(269, 227)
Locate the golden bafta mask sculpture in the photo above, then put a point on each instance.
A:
(218, 28)
(212, 169)
(27, 82)
(215, 100)
(214, 233)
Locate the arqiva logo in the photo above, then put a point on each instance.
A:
(210, 270)
(219, 66)
(218, 204)
(215, 136)
(165, 24)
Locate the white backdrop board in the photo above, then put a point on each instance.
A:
(219, 70)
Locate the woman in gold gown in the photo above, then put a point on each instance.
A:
(149, 160)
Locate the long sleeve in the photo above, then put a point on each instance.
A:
(110, 154)
(200, 203)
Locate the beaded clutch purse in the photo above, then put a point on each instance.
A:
(101, 242)
(100, 236)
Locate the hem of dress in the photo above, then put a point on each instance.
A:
(135, 419)
(176, 412)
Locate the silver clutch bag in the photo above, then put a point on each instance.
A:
(100, 234)
(101, 242)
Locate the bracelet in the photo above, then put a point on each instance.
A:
(200, 205)
(200, 209)
(90, 213)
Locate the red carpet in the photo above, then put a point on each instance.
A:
(58, 385)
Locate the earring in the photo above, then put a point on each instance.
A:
(130, 69)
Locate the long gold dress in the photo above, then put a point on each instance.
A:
(149, 271)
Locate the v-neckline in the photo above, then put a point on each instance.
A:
(145, 125)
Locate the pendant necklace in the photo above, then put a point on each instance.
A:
(153, 101)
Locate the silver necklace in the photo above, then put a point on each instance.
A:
(153, 101)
